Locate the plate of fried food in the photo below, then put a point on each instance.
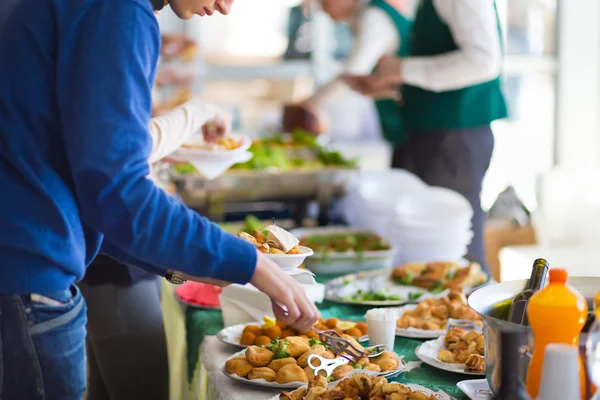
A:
(459, 350)
(279, 245)
(429, 319)
(438, 276)
(197, 147)
(261, 333)
(360, 386)
(283, 363)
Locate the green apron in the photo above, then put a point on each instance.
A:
(469, 107)
(390, 113)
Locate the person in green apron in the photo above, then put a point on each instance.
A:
(379, 28)
(451, 92)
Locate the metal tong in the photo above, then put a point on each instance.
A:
(342, 348)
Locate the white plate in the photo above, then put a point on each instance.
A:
(290, 261)
(439, 395)
(348, 262)
(187, 154)
(232, 334)
(295, 385)
(427, 353)
(345, 286)
(476, 389)
(415, 333)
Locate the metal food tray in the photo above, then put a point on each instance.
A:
(237, 186)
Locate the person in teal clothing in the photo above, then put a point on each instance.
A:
(379, 28)
(451, 92)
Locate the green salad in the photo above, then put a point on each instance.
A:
(344, 242)
(381, 295)
(285, 152)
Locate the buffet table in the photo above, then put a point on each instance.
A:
(196, 357)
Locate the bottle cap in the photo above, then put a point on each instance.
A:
(558, 275)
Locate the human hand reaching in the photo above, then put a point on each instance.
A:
(218, 127)
(290, 303)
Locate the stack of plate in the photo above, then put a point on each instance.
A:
(424, 223)
(373, 195)
(431, 225)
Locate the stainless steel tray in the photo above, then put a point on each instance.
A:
(319, 184)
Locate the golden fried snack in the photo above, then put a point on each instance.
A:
(291, 373)
(262, 373)
(354, 332)
(446, 356)
(303, 360)
(255, 330)
(238, 367)
(297, 394)
(375, 367)
(362, 326)
(475, 363)
(394, 387)
(353, 341)
(262, 340)
(341, 371)
(273, 332)
(328, 355)
(258, 356)
(388, 364)
(287, 332)
(461, 356)
(260, 238)
(315, 393)
(454, 335)
(332, 322)
(363, 383)
(247, 338)
(297, 346)
(383, 356)
(276, 365)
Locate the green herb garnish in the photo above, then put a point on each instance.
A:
(414, 295)
(405, 279)
(279, 348)
(437, 287)
(372, 296)
(315, 342)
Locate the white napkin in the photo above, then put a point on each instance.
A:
(211, 168)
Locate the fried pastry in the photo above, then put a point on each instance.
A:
(290, 373)
(475, 363)
(262, 373)
(258, 356)
(297, 346)
(297, 394)
(303, 360)
(446, 356)
(240, 367)
(341, 371)
(276, 365)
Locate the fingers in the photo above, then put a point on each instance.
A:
(290, 303)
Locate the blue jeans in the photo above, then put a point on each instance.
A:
(42, 346)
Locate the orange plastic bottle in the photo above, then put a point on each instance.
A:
(556, 314)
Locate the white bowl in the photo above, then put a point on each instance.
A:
(290, 261)
(345, 263)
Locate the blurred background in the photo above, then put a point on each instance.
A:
(266, 53)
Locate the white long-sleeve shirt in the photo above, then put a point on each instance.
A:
(170, 130)
(474, 29)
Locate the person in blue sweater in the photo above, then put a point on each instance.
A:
(75, 82)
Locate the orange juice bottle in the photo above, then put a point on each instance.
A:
(556, 314)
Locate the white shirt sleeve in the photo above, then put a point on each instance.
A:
(474, 27)
(170, 130)
(375, 36)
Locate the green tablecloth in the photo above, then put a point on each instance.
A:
(200, 323)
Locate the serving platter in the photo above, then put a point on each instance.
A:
(427, 352)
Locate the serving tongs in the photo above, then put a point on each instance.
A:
(345, 351)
